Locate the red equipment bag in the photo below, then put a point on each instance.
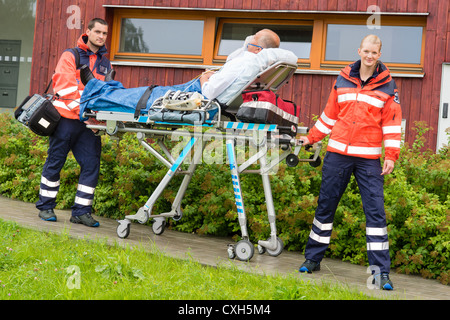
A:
(266, 107)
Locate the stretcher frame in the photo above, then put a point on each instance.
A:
(262, 136)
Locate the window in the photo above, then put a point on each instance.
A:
(182, 37)
(296, 38)
(138, 35)
(403, 42)
(400, 44)
(201, 38)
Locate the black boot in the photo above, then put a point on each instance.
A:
(86, 74)
(110, 75)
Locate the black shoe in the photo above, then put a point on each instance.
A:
(86, 74)
(110, 75)
(85, 219)
(309, 266)
(383, 281)
(47, 215)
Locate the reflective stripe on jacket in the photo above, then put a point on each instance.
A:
(359, 117)
(66, 79)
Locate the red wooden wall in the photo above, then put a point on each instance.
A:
(419, 97)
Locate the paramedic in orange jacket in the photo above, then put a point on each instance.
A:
(362, 112)
(71, 134)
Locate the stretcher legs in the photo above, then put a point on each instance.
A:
(273, 245)
(144, 213)
(244, 249)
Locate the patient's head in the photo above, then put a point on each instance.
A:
(264, 39)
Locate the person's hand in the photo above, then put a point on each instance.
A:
(388, 167)
(304, 139)
(205, 76)
(92, 121)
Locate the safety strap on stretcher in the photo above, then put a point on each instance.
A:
(142, 103)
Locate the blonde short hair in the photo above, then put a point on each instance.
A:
(372, 39)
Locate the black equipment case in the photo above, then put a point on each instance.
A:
(38, 113)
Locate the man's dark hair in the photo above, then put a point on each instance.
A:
(91, 23)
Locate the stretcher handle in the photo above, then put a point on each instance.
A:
(291, 130)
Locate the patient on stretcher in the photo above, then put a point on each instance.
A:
(222, 85)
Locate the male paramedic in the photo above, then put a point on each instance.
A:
(363, 111)
(71, 134)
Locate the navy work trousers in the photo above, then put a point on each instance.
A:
(71, 135)
(336, 173)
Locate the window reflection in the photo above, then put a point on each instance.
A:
(294, 38)
(162, 36)
(400, 44)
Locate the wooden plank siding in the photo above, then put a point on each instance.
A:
(420, 97)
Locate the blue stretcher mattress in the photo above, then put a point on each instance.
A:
(114, 97)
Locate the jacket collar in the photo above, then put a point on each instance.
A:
(82, 44)
(380, 76)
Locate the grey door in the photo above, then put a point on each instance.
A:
(9, 72)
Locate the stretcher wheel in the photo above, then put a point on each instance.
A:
(261, 249)
(178, 215)
(158, 226)
(278, 250)
(123, 229)
(231, 253)
(292, 160)
(244, 250)
(316, 162)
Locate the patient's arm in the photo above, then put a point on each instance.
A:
(205, 76)
(221, 80)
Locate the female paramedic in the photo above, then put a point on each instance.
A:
(363, 110)
(71, 134)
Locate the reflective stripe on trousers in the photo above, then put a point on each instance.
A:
(336, 173)
(71, 135)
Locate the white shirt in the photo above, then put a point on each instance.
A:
(241, 50)
(236, 73)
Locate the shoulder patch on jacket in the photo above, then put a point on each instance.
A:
(396, 97)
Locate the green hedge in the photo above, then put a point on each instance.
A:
(417, 198)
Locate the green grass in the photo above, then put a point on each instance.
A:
(37, 265)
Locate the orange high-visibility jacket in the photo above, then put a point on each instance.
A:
(67, 85)
(360, 116)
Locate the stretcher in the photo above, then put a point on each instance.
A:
(264, 138)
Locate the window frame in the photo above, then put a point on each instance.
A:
(213, 25)
(305, 63)
(388, 21)
(117, 55)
